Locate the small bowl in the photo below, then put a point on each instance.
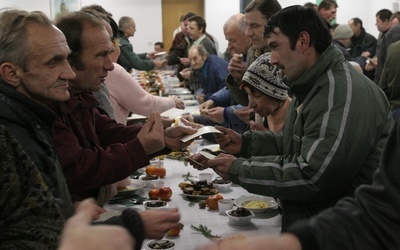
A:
(149, 183)
(160, 243)
(155, 205)
(222, 187)
(239, 221)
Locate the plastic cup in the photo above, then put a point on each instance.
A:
(224, 204)
(205, 177)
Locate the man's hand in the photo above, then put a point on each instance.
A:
(179, 104)
(221, 165)
(151, 136)
(198, 161)
(185, 61)
(228, 140)
(206, 105)
(97, 210)
(216, 114)
(185, 73)
(158, 222)
(79, 234)
(173, 136)
(237, 67)
(257, 127)
(160, 64)
(244, 114)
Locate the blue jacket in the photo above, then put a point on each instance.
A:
(213, 75)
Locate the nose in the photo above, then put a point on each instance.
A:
(274, 59)
(108, 64)
(248, 32)
(68, 73)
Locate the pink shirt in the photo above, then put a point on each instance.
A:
(126, 95)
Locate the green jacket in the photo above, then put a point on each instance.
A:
(335, 131)
(130, 60)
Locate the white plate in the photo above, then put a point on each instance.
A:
(160, 53)
(242, 200)
(134, 186)
(187, 97)
(201, 131)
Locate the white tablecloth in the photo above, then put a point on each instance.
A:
(264, 224)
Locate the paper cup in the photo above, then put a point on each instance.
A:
(224, 204)
(205, 176)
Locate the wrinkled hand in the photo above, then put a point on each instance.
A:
(284, 242)
(166, 121)
(257, 127)
(151, 136)
(216, 114)
(221, 164)
(97, 210)
(185, 61)
(206, 105)
(244, 114)
(150, 55)
(191, 123)
(198, 161)
(237, 67)
(372, 63)
(160, 64)
(228, 140)
(158, 222)
(173, 136)
(79, 234)
(185, 73)
(179, 104)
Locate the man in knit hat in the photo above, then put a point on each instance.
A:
(342, 39)
(268, 95)
(317, 158)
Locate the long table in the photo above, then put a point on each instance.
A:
(262, 224)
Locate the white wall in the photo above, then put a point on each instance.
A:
(147, 14)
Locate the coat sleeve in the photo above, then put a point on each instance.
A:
(130, 60)
(130, 95)
(370, 220)
(117, 154)
(319, 139)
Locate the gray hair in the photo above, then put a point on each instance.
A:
(124, 22)
(14, 40)
(238, 20)
(200, 48)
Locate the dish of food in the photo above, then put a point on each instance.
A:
(256, 203)
(240, 216)
(160, 244)
(134, 186)
(197, 189)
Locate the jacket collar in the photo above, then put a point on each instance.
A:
(328, 59)
(77, 100)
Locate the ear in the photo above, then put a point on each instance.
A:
(303, 41)
(10, 74)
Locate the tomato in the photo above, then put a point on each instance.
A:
(161, 171)
(153, 194)
(165, 193)
(174, 232)
(151, 170)
(212, 201)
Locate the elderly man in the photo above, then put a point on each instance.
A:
(362, 43)
(327, 10)
(218, 107)
(256, 13)
(35, 201)
(94, 150)
(128, 58)
(326, 123)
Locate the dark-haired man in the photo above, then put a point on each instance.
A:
(317, 159)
